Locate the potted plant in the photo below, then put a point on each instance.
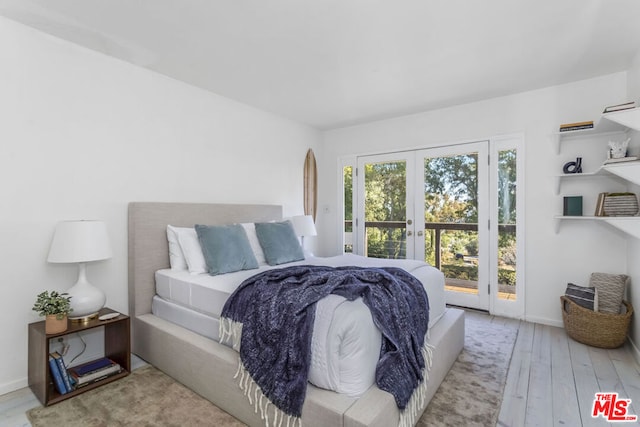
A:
(55, 307)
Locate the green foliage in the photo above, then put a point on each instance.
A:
(385, 199)
(470, 272)
(451, 188)
(348, 193)
(507, 187)
(460, 271)
(54, 303)
(450, 196)
(506, 276)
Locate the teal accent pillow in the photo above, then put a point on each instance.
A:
(279, 242)
(225, 248)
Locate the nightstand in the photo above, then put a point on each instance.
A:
(117, 347)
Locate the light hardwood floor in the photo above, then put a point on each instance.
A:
(552, 380)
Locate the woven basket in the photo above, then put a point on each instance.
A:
(594, 328)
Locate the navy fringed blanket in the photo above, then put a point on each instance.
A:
(277, 309)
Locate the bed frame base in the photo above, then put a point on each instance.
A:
(207, 368)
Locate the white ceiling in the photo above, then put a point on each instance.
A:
(331, 63)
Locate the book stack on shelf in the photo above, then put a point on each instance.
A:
(66, 380)
(567, 127)
(619, 107)
(94, 371)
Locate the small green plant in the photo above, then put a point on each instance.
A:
(54, 303)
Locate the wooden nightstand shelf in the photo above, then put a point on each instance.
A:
(117, 347)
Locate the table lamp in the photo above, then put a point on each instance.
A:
(303, 226)
(81, 242)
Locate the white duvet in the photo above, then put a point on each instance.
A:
(345, 344)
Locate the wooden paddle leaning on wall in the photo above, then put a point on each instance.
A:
(310, 185)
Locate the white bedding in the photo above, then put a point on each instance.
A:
(345, 342)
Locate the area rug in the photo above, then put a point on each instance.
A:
(470, 394)
(147, 397)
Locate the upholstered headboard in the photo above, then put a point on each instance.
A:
(148, 247)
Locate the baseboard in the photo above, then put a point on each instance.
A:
(545, 321)
(13, 386)
(634, 350)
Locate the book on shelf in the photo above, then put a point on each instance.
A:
(92, 366)
(620, 160)
(63, 370)
(600, 204)
(94, 380)
(572, 206)
(94, 371)
(58, 382)
(619, 107)
(566, 127)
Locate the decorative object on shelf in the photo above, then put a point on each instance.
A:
(81, 242)
(618, 149)
(55, 306)
(572, 206)
(620, 204)
(573, 167)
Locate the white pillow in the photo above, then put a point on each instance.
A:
(191, 249)
(176, 257)
(250, 229)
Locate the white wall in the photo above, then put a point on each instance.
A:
(82, 134)
(633, 255)
(552, 259)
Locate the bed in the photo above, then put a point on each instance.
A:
(208, 367)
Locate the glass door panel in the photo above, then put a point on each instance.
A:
(507, 239)
(454, 180)
(507, 242)
(385, 227)
(347, 179)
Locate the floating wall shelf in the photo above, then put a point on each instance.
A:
(615, 122)
(629, 118)
(629, 171)
(627, 224)
(622, 172)
(602, 127)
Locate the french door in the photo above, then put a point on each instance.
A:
(438, 205)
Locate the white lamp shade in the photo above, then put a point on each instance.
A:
(303, 225)
(80, 241)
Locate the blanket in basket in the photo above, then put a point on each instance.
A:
(269, 318)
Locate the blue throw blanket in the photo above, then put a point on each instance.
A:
(277, 309)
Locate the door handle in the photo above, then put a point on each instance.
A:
(409, 233)
(420, 233)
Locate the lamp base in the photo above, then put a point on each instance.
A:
(84, 319)
(86, 299)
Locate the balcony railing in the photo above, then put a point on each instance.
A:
(438, 227)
